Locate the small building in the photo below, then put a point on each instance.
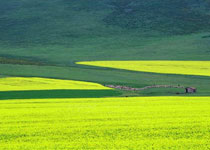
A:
(190, 90)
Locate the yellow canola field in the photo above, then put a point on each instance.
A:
(34, 83)
(135, 123)
(167, 67)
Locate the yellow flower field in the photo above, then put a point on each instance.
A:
(167, 67)
(31, 83)
(134, 123)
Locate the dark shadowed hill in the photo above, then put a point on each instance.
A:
(63, 21)
(168, 16)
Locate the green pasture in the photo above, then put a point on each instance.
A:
(48, 37)
(177, 123)
(43, 94)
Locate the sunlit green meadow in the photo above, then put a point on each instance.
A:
(143, 123)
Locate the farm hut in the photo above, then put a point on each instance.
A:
(190, 90)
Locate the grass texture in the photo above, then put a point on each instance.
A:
(44, 94)
(201, 68)
(146, 123)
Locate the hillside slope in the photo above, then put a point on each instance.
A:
(82, 29)
(58, 33)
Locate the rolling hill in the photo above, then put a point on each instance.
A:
(104, 74)
(45, 39)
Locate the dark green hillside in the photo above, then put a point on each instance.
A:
(57, 33)
(170, 17)
(63, 21)
(65, 31)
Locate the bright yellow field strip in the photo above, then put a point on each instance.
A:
(167, 67)
(31, 83)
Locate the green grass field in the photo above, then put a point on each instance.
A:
(177, 123)
(43, 94)
(48, 42)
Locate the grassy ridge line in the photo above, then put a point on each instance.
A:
(201, 68)
(125, 46)
(106, 123)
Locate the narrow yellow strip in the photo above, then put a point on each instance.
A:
(201, 68)
(22, 83)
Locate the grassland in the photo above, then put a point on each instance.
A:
(59, 60)
(48, 42)
(106, 123)
(200, 68)
(45, 94)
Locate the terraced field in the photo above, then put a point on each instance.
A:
(143, 123)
